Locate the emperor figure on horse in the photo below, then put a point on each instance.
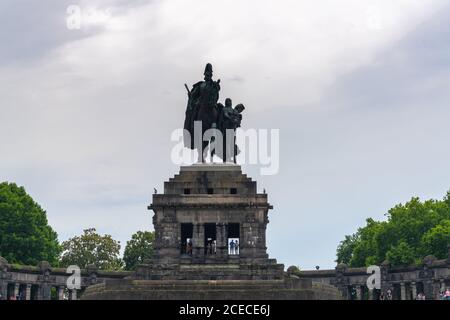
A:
(203, 106)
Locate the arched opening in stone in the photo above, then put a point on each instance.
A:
(53, 293)
(352, 293)
(10, 292)
(34, 292)
(22, 291)
(233, 238)
(420, 288)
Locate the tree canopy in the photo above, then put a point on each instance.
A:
(411, 232)
(92, 248)
(25, 236)
(139, 248)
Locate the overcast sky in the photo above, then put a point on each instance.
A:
(359, 91)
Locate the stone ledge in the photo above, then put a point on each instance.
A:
(211, 167)
(288, 289)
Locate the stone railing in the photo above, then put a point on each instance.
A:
(43, 282)
(397, 283)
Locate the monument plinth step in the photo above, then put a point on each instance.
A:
(211, 167)
(283, 289)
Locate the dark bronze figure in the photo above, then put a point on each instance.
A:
(229, 119)
(203, 106)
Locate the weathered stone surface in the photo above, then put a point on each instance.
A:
(210, 194)
(219, 203)
(288, 289)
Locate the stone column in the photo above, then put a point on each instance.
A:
(385, 277)
(61, 293)
(370, 295)
(198, 239)
(225, 239)
(201, 239)
(39, 293)
(3, 290)
(195, 239)
(348, 292)
(436, 289)
(414, 290)
(221, 242)
(358, 293)
(16, 289)
(73, 294)
(28, 292)
(251, 247)
(45, 291)
(402, 291)
(342, 282)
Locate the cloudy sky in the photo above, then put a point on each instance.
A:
(358, 89)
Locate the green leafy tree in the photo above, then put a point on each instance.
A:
(366, 251)
(139, 248)
(401, 254)
(436, 240)
(447, 199)
(92, 248)
(25, 236)
(346, 248)
(411, 232)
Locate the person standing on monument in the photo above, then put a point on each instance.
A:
(232, 247)
(189, 247)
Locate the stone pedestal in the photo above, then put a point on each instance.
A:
(288, 289)
(210, 197)
(210, 205)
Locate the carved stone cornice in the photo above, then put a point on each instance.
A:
(210, 206)
(46, 278)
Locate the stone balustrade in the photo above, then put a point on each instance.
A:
(397, 283)
(44, 282)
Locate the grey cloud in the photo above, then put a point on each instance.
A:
(89, 136)
(31, 29)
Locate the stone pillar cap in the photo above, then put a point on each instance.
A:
(44, 266)
(341, 266)
(91, 268)
(3, 263)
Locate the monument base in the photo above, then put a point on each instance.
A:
(210, 244)
(286, 289)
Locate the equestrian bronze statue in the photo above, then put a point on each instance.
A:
(203, 110)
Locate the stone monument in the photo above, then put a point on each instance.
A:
(210, 233)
